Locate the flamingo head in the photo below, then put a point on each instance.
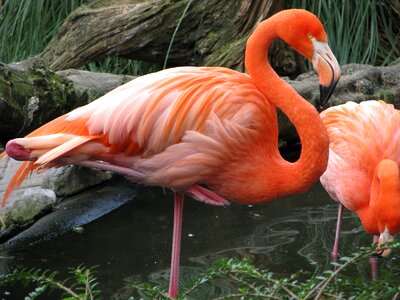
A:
(384, 237)
(305, 33)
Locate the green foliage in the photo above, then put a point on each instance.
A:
(119, 65)
(27, 26)
(81, 285)
(175, 31)
(359, 31)
(245, 281)
(364, 32)
(240, 279)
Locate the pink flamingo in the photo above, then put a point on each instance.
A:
(187, 126)
(363, 167)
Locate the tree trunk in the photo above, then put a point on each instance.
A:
(210, 32)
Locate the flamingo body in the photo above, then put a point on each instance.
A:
(185, 127)
(176, 128)
(364, 156)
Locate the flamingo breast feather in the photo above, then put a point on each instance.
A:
(358, 142)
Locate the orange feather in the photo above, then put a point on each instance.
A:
(186, 126)
(364, 146)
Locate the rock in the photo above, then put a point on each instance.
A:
(75, 211)
(34, 202)
(8, 167)
(357, 83)
(92, 85)
(38, 193)
(69, 180)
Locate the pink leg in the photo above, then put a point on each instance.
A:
(374, 262)
(176, 245)
(335, 250)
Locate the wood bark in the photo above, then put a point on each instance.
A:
(211, 33)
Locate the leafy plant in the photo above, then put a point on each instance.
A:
(26, 27)
(240, 279)
(249, 282)
(119, 65)
(359, 31)
(81, 285)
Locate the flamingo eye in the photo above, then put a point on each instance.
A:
(310, 36)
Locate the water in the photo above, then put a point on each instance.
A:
(133, 241)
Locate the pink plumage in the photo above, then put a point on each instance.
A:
(185, 127)
(363, 166)
(360, 135)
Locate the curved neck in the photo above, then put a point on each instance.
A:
(384, 205)
(314, 139)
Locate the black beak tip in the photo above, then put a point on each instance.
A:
(326, 93)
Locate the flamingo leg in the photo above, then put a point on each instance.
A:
(176, 245)
(374, 262)
(335, 249)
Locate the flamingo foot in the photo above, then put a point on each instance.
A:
(202, 194)
(176, 246)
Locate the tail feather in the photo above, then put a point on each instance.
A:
(62, 149)
(62, 125)
(46, 144)
(23, 171)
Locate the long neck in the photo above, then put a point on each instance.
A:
(383, 210)
(299, 176)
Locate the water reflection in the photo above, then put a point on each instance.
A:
(283, 236)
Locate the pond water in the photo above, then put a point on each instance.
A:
(282, 236)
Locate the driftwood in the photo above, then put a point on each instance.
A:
(211, 33)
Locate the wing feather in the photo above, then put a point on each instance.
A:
(175, 126)
(156, 110)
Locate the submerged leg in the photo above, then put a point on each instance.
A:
(374, 261)
(335, 250)
(176, 245)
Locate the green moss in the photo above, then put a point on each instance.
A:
(33, 203)
(389, 95)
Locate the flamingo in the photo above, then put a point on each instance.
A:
(363, 166)
(207, 132)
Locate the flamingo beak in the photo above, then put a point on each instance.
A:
(327, 68)
(385, 237)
